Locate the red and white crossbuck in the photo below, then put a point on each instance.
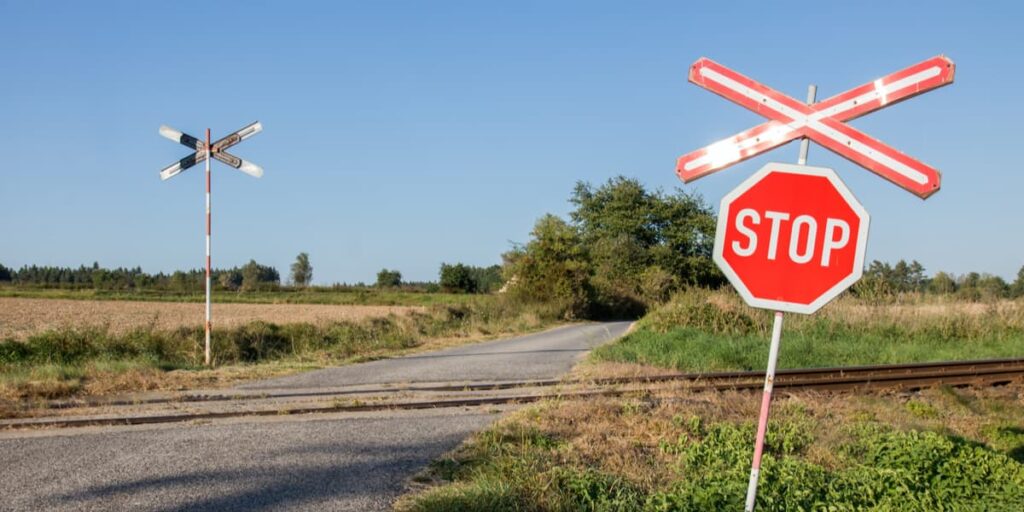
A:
(823, 122)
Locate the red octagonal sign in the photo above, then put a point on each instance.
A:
(791, 238)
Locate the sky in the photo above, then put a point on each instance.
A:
(402, 135)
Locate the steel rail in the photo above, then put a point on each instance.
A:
(820, 374)
(862, 378)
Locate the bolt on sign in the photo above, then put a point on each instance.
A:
(792, 237)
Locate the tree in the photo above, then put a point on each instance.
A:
(179, 282)
(464, 278)
(1017, 289)
(256, 276)
(942, 283)
(486, 279)
(302, 270)
(881, 279)
(457, 278)
(992, 287)
(5, 273)
(552, 268)
(617, 267)
(388, 278)
(230, 279)
(967, 286)
(673, 231)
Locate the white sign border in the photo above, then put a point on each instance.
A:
(831, 293)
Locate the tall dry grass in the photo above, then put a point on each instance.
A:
(97, 360)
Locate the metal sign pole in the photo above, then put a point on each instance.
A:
(209, 325)
(773, 359)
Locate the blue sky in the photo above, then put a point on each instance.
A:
(406, 134)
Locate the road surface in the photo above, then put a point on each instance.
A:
(357, 462)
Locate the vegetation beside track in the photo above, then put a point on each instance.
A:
(707, 331)
(944, 449)
(94, 360)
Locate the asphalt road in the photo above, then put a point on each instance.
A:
(547, 354)
(315, 462)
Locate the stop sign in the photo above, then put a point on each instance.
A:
(791, 238)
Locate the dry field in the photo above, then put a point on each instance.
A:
(21, 317)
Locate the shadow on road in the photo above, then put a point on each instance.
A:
(346, 475)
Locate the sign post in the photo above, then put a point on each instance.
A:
(792, 237)
(204, 151)
(773, 359)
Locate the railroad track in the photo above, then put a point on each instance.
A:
(905, 377)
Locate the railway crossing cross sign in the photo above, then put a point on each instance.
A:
(823, 122)
(791, 238)
(217, 150)
(204, 150)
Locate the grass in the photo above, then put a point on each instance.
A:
(93, 360)
(945, 449)
(363, 296)
(707, 331)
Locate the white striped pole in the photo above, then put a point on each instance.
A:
(773, 359)
(208, 310)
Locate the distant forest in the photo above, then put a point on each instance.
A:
(249, 277)
(453, 278)
(880, 279)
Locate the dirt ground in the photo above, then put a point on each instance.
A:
(20, 317)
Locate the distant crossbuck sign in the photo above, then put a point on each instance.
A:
(217, 150)
(823, 122)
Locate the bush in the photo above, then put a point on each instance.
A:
(389, 278)
(457, 278)
(552, 268)
(259, 277)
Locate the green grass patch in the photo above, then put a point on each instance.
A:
(701, 331)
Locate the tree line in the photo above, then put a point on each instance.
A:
(883, 279)
(251, 276)
(452, 278)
